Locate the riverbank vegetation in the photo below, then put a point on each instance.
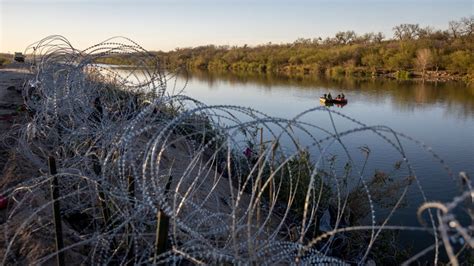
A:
(413, 52)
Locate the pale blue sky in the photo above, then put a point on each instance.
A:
(167, 24)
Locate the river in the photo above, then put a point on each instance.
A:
(440, 115)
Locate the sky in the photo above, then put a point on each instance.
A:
(168, 24)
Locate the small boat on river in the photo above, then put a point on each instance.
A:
(332, 101)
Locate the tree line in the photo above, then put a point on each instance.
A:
(413, 50)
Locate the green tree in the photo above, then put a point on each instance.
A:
(400, 61)
(373, 60)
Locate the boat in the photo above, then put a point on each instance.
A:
(332, 101)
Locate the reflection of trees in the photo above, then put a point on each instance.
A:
(405, 95)
(457, 98)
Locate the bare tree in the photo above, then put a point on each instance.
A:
(455, 28)
(378, 37)
(345, 37)
(436, 59)
(398, 32)
(413, 30)
(351, 36)
(406, 31)
(366, 38)
(467, 25)
(340, 37)
(423, 60)
(371, 37)
(425, 32)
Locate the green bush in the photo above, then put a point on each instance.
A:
(337, 71)
(403, 75)
(461, 61)
(373, 61)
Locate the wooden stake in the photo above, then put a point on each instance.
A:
(131, 196)
(162, 226)
(56, 211)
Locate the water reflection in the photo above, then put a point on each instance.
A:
(456, 98)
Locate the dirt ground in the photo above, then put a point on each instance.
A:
(31, 243)
(12, 80)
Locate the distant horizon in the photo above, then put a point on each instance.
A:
(166, 25)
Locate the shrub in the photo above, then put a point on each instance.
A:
(402, 74)
(460, 61)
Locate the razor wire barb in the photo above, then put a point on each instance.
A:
(233, 196)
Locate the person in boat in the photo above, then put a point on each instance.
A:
(248, 153)
(338, 97)
(343, 96)
(325, 96)
(329, 96)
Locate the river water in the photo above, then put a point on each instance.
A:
(440, 115)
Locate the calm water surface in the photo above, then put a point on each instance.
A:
(441, 115)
